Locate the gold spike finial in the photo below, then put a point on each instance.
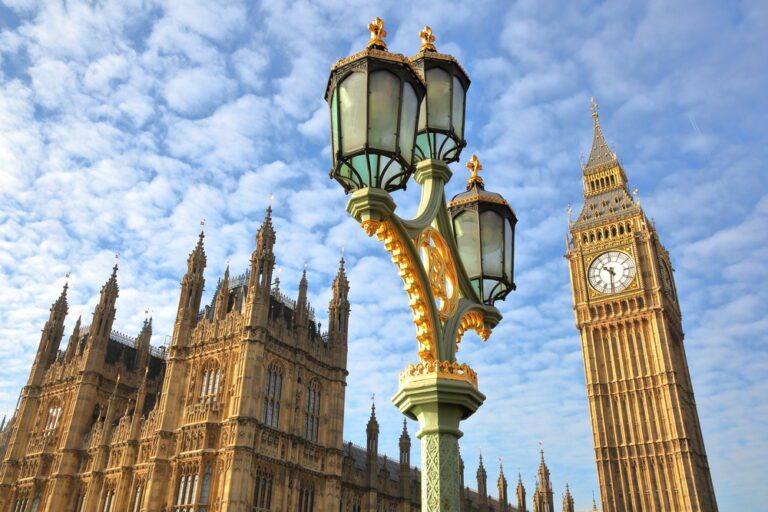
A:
(377, 34)
(594, 108)
(427, 38)
(474, 167)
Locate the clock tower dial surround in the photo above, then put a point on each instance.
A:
(649, 448)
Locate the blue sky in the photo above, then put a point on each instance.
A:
(123, 123)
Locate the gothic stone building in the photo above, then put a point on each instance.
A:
(243, 412)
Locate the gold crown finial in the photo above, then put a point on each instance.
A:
(474, 167)
(377, 34)
(427, 38)
(594, 108)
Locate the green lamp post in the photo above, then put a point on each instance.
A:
(393, 117)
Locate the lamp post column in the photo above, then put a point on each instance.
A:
(439, 404)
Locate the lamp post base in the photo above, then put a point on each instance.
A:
(439, 404)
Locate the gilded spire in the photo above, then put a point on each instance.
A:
(378, 34)
(600, 154)
(427, 38)
(474, 167)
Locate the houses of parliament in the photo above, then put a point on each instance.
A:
(244, 410)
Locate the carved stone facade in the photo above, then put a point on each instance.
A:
(648, 443)
(244, 411)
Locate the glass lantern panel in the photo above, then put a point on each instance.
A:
(360, 164)
(465, 227)
(457, 108)
(508, 248)
(491, 233)
(408, 121)
(335, 122)
(352, 99)
(384, 102)
(439, 98)
(476, 286)
(490, 288)
(423, 114)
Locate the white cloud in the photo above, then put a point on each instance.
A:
(194, 91)
(123, 124)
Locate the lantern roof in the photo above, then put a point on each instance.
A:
(428, 51)
(376, 49)
(476, 192)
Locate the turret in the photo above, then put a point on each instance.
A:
(568, 500)
(302, 307)
(338, 314)
(520, 493)
(502, 485)
(482, 482)
(260, 280)
(543, 498)
(142, 345)
(141, 396)
(405, 461)
(74, 342)
(221, 305)
(405, 447)
(50, 339)
(192, 285)
(101, 324)
(372, 446)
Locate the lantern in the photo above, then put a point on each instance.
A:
(484, 228)
(441, 118)
(374, 98)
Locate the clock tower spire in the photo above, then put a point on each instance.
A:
(648, 444)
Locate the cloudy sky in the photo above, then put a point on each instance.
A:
(124, 123)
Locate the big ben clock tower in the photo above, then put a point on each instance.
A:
(648, 444)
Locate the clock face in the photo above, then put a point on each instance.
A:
(611, 272)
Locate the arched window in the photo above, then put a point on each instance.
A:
(109, 500)
(138, 497)
(306, 497)
(205, 490)
(187, 489)
(80, 503)
(36, 503)
(21, 502)
(312, 412)
(273, 388)
(209, 384)
(262, 493)
(52, 420)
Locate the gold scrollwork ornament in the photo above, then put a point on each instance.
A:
(440, 269)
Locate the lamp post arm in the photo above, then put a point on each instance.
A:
(374, 210)
(431, 175)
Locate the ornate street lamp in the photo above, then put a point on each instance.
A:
(441, 117)
(484, 227)
(453, 269)
(374, 97)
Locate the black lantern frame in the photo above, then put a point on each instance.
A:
(441, 119)
(484, 230)
(375, 158)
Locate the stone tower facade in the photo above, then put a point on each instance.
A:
(243, 412)
(648, 443)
